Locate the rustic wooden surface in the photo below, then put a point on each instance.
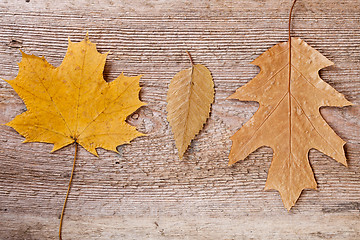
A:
(146, 192)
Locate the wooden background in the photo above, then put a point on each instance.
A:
(146, 192)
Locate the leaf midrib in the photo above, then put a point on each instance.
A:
(78, 99)
(282, 98)
(188, 108)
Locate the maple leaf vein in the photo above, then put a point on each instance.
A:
(128, 86)
(56, 107)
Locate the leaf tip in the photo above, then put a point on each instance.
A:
(95, 153)
(232, 161)
(232, 96)
(287, 204)
(255, 61)
(345, 163)
(143, 103)
(348, 103)
(115, 150)
(87, 36)
(23, 54)
(5, 80)
(140, 134)
(181, 153)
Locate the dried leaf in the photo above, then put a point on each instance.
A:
(288, 119)
(189, 98)
(73, 102)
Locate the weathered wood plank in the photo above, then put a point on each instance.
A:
(121, 196)
(256, 226)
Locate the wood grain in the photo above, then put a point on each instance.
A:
(146, 192)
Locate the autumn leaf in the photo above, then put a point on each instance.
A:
(73, 103)
(189, 98)
(288, 119)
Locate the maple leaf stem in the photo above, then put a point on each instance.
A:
(68, 190)
(191, 60)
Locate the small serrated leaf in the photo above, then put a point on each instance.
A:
(190, 95)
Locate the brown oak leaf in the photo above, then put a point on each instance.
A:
(288, 119)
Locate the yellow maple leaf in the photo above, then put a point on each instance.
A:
(73, 102)
(290, 93)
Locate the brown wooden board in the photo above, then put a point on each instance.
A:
(146, 192)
